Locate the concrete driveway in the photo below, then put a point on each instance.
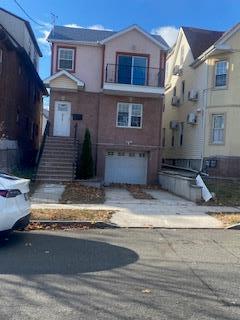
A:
(121, 274)
(165, 211)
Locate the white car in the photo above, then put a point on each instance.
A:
(14, 203)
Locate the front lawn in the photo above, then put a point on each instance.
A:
(71, 214)
(226, 218)
(227, 192)
(79, 194)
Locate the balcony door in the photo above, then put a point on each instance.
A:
(132, 70)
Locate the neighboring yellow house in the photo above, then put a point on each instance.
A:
(201, 120)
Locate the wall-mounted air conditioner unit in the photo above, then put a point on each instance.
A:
(177, 71)
(174, 125)
(175, 101)
(192, 95)
(192, 118)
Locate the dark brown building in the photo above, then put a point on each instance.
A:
(21, 91)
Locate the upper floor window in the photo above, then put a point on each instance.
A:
(221, 70)
(218, 127)
(183, 90)
(163, 137)
(66, 58)
(181, 134)
(132, 69)
(129, 115)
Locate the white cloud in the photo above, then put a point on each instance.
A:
(93, 27)
(42, 40)
(168, 33)
(72, 25)
(98, 27)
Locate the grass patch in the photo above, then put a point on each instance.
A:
(138, 193)
(71, 214)
(226, 218)
(79, 194)
(227, 192)
(137, 190)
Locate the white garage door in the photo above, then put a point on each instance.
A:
(126, 167)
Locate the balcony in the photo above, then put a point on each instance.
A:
(133, 80)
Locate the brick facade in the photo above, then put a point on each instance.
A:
(20, 101)
(99, 113)
(223, 166)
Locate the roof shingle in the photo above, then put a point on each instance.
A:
(87, 35)
(200, 39)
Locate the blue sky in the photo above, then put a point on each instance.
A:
(152, 15)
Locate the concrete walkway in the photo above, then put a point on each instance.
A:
(48, 193)
(165, 211)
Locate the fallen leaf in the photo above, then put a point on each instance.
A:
(146, 291)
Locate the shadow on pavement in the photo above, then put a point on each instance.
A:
(36, 253)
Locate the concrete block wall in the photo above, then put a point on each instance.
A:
(181, 186)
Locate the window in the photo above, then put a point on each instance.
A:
(129, 115)
(173, 139)
(66, 59)
(181, 134)
(221, 68)
(163, 137)
(183, 90)
(218, 126)
(132, 70)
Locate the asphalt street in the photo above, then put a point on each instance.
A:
(120, 274)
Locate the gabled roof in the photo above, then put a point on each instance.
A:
(28, 26)
(79, 83)
(200, 40)
(157, 40)
(60, 33)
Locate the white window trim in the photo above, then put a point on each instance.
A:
(129, 115)
(73, 58)
(212, 128)
(215, 73)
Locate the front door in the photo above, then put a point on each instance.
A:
(62, 119)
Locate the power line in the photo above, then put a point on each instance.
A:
(24, 11)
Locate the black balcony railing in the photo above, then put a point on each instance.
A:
(133, 75)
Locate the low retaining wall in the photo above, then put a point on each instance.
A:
(181, 186)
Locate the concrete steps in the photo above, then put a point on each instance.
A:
(58, 161)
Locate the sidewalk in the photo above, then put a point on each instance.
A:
(166, 211)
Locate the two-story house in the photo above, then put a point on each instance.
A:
(201, 118)
(21, 92)
(113, 84)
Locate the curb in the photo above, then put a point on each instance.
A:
(66, 223)
(234, 227)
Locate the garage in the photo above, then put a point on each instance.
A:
(126, 167)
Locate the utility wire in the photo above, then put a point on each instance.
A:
(24, 11)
